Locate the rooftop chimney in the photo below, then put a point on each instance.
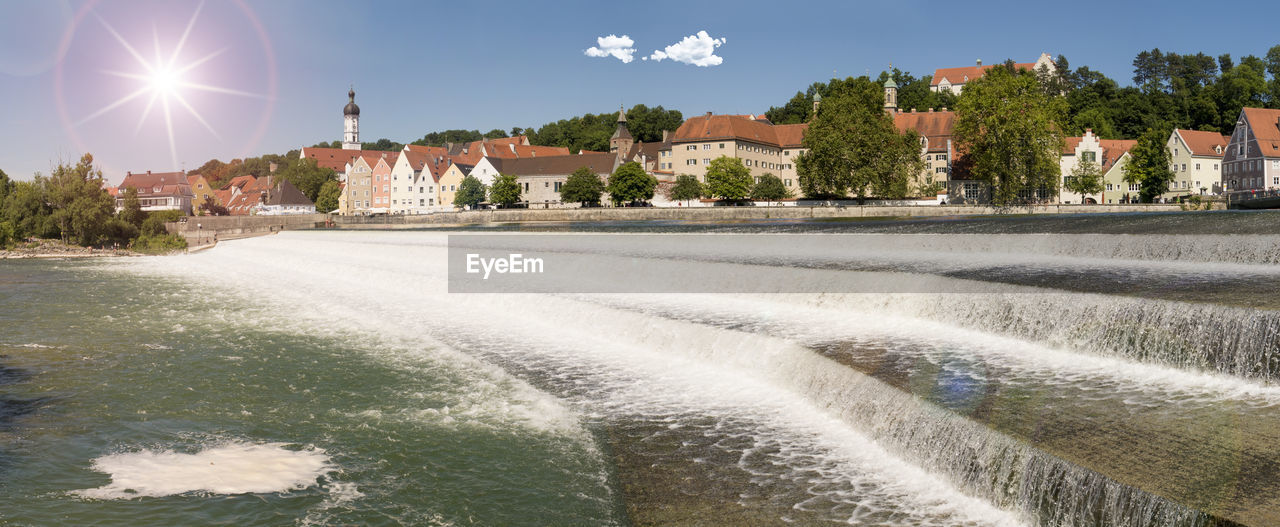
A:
(708, 114)
(665, 135)
(979, 62)
(272, 168)
(148, 172)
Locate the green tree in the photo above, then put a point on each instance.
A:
(28, 211)
(505, 191)
(131, 211)
(1148, 165)
(630, 184)
(154, 224)
(213, 208)
(769, 188)
(306, 175)
(728, 179)
(1085, 179)
(81, 206)
(4, 187)
(1010, 129)
(687, 188)
(582, 186)
(327, 200)
(471, 192)
(854, 147)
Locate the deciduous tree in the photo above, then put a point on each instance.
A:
(630, 184)
(687, 188)
(81, 206)
(327, 200)
(471, 192)
(1085, 179)
(582, 186)
(769, 188)
(1148, 165)
(505, 191)
(1010, 129)
(728, 179)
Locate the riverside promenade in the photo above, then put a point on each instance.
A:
(203, 231)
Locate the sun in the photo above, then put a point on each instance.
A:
(163, 79)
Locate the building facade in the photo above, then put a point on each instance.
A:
(953, 79)
(1196, 162)
(763, 147)
(1252, 157)
(158, 191)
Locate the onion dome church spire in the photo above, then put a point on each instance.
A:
(351, 122)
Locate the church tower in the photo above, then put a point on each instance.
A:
(890, 95)
(621, 141)
(351, 123)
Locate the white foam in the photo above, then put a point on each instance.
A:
(233, 468)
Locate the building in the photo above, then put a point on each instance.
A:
(936, 148)
(540, 178)
(283, 199)
(158, 191)
(351, 123)
(954, 79)
(1252, 158)
(1196, 159)
(763, 147)
(1110, 155)
(415, 179)
(200, 191)
(449, 182)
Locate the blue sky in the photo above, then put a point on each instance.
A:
(425, 66)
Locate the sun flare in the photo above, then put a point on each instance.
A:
(164, 81)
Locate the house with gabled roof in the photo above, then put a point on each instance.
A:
(1252, 157)
(954, 79)
(1110, 156)
(1195, 159)
(158, 191)
(415, 179)
(762, 146)
(540, 178)
(200, 191)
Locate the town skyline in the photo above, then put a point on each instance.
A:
(413, 78)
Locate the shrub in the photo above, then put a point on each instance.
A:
(159, 244)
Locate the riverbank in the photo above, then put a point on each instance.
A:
(58, 249)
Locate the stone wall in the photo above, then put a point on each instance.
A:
(721, 214)
(206, 230)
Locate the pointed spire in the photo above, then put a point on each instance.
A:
(622, 114)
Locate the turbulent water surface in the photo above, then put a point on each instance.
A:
(322, 378)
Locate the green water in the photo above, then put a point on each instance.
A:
(100, 363)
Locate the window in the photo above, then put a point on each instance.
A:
(1184, 167)
(526, 187)
(706, 146)
(942, 157)
(722, 146)
(691, 161)
(971, 191)
(451, 188)
(691, 147)
(787, 182)
(1133, 187)
(546, 184)
(558, 186)
(1197, 166)
(1109, 186)
(1275, 180)
(706, 161)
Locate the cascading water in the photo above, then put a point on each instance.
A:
(1032, 406)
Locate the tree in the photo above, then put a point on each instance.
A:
(4, 187)
(131, 212)
(582, 186)
(505, 191)
(1011, 130)
(769, 188)
(728, 179)
(306, 175)
(27, 210)
(1085, 179)
(854, 147)
(327, 199)
(687, 188)
(81, 206)
(1148, 165)
(212, 208)
(630, 184)
(471, 192)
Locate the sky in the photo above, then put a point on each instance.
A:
(244, 78)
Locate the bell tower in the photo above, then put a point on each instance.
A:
(890, 95)
(621, 141)
(351, 123)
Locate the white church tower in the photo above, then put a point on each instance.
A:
(351, 123)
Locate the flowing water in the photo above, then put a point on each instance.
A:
(322, 378)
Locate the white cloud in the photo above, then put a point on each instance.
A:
(698, 50)
(620, 47)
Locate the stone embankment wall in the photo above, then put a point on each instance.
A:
(719, 214)
(206, 230)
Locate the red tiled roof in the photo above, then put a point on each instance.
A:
(790, 135)
(157, 183)
(736, 127)
(242, 204)
(1203, 143)
(555, 165)
(966, 74)
(1070, 145)
(335, 159)
(1113, 149)
(937, 126)
(1265, 125)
